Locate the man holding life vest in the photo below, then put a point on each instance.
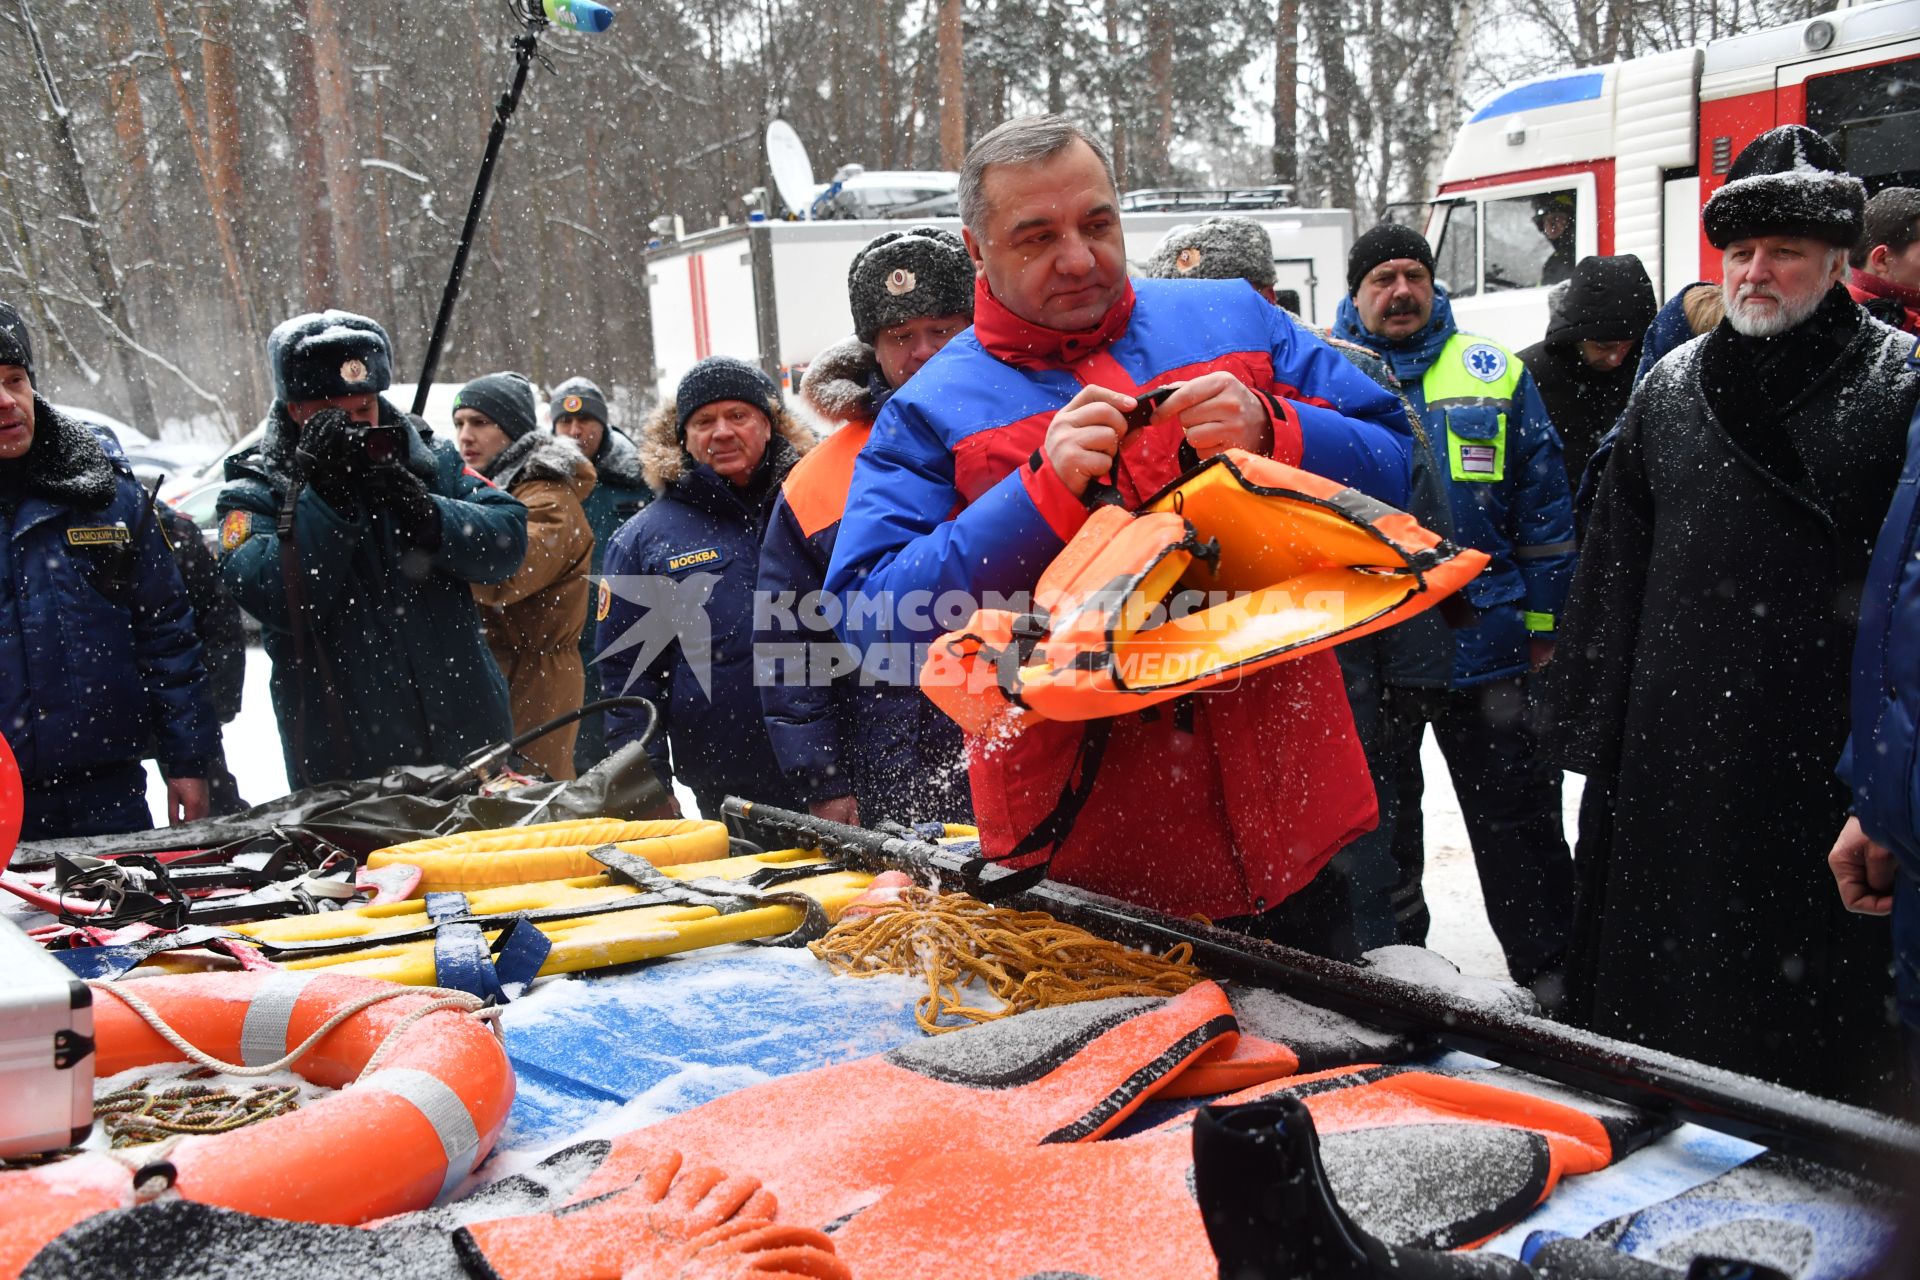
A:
(1224, 805)
(1510, 500)
(866, 746)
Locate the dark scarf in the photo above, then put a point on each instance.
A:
(1754, 384)
(1026, 345)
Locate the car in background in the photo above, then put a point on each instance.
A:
(151, 459)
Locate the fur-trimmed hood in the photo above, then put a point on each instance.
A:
(66, 463)
(540, 455)
(840, 382)
(664, 461)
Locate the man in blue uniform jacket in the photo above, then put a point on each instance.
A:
(98, 658)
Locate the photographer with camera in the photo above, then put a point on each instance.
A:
(355, 537)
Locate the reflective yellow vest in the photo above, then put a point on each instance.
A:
(1471, 383)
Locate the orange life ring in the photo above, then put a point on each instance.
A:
(393, 1142)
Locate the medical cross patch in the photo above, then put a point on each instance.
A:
(1485, 361)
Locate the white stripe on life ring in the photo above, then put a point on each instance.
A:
(451, 1121)
(263, 1036)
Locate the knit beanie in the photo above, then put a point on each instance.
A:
(1788, 181)
(507, 398)
(578, 397)
(723, 378)
(16, 344)
(326, 354)
(1606, 300)
(1385, 243)
(1223, 248)
(909, 275)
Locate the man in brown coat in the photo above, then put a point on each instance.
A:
(533, 619)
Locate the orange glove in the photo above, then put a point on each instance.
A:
(758, 1251)
(647, 1229)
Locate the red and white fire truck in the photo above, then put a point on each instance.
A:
(1620, 158)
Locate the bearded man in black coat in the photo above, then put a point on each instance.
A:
(1703, 661)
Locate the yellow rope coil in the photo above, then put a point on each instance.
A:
(1025, 959)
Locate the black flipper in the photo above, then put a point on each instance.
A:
(1271, 1215)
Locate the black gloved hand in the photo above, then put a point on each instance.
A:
(392, 488)
(330, 457)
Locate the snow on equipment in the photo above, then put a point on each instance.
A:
(424, 1087)
(1832, 1133)
(1306, 563)
(46, 1050)
(549, 850)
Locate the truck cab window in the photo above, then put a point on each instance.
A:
(1456, 259)
(1872, 115)
(1531, 239)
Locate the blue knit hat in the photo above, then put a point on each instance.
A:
(724, 378)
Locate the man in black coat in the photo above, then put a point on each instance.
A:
(1584, 367)
(1703, 662)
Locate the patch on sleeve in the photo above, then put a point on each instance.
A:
(235, 529)
(605, 604)
(688, 559)
(98, 535)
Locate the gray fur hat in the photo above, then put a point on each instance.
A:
(1222, 248)
(905, 275)
(325, 354)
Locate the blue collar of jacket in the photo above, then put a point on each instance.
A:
(1410, 356)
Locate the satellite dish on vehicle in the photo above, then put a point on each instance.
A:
(792, 171)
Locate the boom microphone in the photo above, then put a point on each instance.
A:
(579, 15)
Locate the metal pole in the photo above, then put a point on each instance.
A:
(1680, 1089)
(523, 49)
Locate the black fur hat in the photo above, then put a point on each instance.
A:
(329, 353)
(905, 275)
(1787, 182)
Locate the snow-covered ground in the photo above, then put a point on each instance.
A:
(1460, 931)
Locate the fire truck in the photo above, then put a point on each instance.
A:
(1620, 158)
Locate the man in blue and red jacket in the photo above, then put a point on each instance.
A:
(972, 482)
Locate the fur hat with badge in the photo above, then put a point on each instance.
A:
(1222, 248)
(908, 275)
(325, 354)
(1788, 181)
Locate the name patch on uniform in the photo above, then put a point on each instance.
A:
(605, 604)
(235, 529)
(1485, 361)
(686, 560)
(1478, 459)
(98, 535)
